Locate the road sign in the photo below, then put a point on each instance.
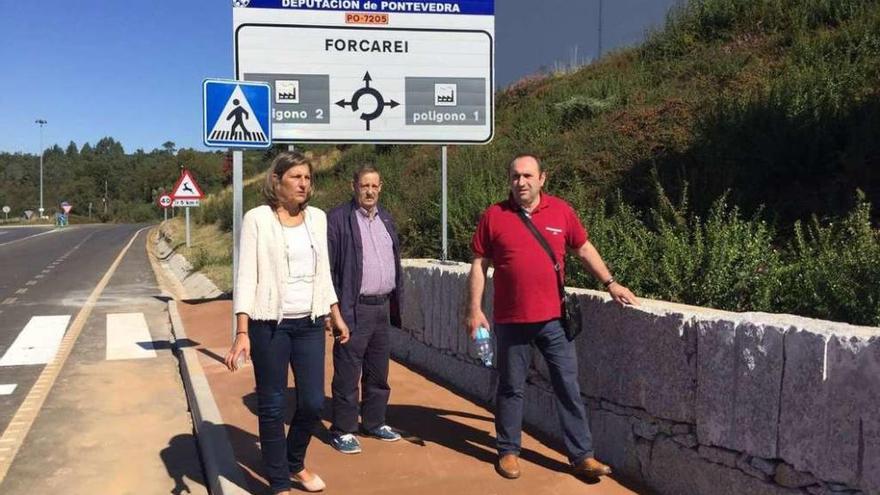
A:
(187, 187)
(371, 71)
(6, 209)
(66, 207)
(182, 203)
(164, 201)
(236, 114)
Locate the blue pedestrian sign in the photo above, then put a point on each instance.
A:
(236, 114)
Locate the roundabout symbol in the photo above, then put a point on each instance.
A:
(367, 90)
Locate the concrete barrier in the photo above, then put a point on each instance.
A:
(684, 399)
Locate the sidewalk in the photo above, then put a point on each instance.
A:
(448, 445)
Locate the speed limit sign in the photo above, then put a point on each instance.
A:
(164, 201)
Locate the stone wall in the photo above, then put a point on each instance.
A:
(684, 400)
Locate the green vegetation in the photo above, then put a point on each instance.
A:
(763, 116)
(132, 182)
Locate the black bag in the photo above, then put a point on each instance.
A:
(571, 325)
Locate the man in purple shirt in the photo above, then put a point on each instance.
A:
(365, 264)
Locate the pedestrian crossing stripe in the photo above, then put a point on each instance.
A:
(236, 114)
(219, 135)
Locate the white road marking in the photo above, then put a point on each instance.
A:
(21, 291)
(7, 389)
(10, 300)
(38, 341)
(39, 276)
(31, 282)
(29, 237)
(128, 337)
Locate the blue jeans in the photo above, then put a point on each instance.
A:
(298, 343)
(514, 357)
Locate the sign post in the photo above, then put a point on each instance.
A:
(164, 201)
(187, 193)
(236, 114)
(366, 71)
(65, 207)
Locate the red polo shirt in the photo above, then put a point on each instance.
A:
(525, 283)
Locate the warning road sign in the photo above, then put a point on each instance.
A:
(236, 114)
(186, 187)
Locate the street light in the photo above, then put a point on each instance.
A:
(41, 122)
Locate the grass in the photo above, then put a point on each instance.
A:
(210, 250)
(762, 117)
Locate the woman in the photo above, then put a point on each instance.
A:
(282, 295)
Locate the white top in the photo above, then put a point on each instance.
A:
(300, 264)
(262, 270)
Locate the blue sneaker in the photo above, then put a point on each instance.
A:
(346, 443)
(384, 433)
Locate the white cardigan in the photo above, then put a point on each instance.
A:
(259, 287)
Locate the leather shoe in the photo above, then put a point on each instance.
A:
(508, 466)
(591, 468)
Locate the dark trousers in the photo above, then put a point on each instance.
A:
(514, 356)
(298, 343)
(365, 357)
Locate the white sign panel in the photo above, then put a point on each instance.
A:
(378, 72)
(184, 203)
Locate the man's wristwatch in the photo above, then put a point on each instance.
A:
(608, 282)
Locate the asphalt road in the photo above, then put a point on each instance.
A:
(117, 389)
(8, 235)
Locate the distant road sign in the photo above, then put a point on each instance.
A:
(6, 209)
(236, 114)
(187, 187)
(180, 203)
(66, 207)
(364, 71)
(164, 201)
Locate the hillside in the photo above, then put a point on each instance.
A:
(761, 118)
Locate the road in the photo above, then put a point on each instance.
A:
(9, 235)
(87, 375)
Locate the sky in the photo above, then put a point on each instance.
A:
(133, 70)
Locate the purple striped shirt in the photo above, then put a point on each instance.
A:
(378, 249)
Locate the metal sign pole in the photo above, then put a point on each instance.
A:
(237, 214)
(187, 226)
(163, 209)
(445, 254)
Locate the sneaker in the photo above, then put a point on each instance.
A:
(384, 433)
(347, 443)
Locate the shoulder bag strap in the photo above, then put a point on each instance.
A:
(556, 267)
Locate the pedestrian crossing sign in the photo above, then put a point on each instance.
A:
(236, 114)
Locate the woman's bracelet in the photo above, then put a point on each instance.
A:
(241, 332)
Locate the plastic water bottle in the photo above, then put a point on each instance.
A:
(483, 343)
(240, 360)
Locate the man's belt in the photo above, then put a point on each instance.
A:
(373, 300)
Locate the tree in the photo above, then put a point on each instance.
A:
(169, 147)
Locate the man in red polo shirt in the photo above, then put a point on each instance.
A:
(527, 309)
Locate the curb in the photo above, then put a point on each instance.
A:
(222, 472)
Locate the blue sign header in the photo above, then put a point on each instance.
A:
(470, 7)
